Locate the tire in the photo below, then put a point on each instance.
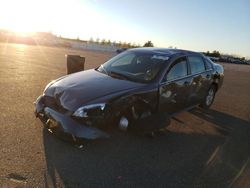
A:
(209, 99)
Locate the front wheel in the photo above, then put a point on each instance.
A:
(209, 99)
(128, 118)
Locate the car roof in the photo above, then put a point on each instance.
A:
(165, 51)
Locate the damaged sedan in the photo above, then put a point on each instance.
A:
(131, 91)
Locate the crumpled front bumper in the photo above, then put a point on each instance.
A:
(64, 123)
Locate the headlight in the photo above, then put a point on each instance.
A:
(90, 110)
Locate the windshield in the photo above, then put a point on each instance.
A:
(139, 67)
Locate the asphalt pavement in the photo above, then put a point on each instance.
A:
(201, 148)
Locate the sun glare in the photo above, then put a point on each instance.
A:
(17, 16)
(30, 15)
(22, 29)
(59, 16)
(68, 18)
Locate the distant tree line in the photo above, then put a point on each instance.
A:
(45, 38)
(212, 54)
(119, 44)
(148, 44)
(224, 57)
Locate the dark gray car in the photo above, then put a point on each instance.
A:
(126, 90)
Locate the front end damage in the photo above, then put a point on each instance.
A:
(61, 122)
(66, 111)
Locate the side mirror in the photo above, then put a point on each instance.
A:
(75, 63)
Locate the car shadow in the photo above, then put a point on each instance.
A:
(229, 159)
(175, 159)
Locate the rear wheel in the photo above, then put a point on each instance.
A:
(209, 99)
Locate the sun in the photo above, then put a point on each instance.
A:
(22, 28)
(27, 16)
(22, 16)
(67, 18)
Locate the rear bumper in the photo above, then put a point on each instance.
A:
(57, 121)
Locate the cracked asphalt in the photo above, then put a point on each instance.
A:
(201, 148)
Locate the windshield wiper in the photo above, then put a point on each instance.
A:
(119, 75)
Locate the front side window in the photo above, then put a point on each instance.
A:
(178, 70)
(208, 64)
(196, 64)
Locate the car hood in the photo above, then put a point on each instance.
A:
(78, 89)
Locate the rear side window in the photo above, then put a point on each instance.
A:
(196, 64)
(178, 70)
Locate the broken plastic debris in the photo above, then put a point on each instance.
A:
(17, 178)
(80, 146)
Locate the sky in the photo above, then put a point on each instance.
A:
(198, 25)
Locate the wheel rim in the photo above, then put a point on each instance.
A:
(210, 97)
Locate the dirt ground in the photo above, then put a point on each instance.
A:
(202, 148)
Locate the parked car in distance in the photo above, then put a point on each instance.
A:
(214, 59)
(131, 86)
(120, 50)
(239, 62)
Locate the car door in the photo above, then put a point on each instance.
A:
(174, 89)
(200, 78)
